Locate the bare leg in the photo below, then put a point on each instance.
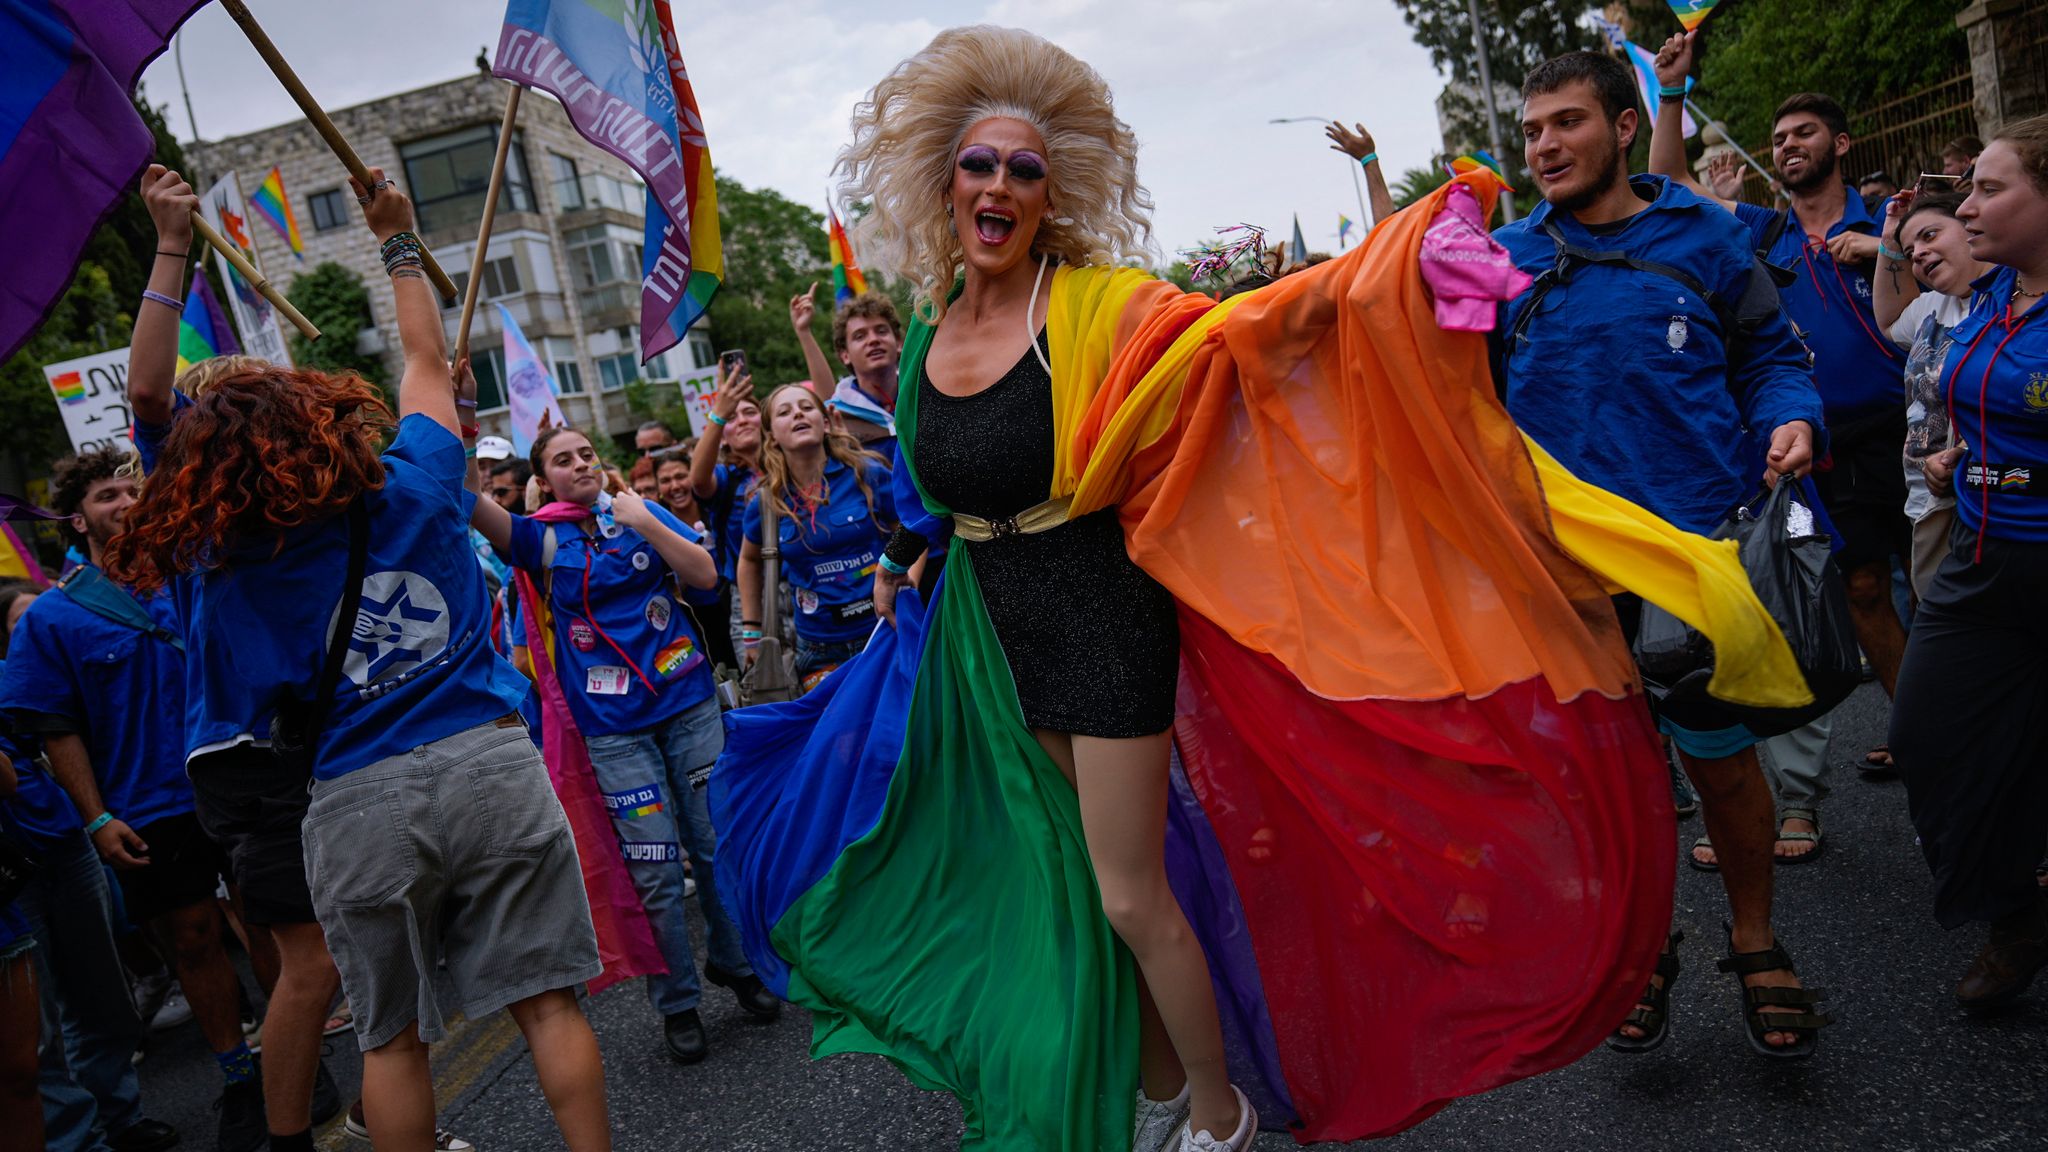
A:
(21, 1102)
(1877, 622)
(191, 937)
(571, 1071)
(398, 1094)
(1122, 786)
(1737, 805)
(306, 984)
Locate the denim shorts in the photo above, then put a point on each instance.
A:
(459, 851)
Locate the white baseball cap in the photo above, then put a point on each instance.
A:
(494, 448)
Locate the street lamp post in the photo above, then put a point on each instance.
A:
(1365, 219)
(1486, 90)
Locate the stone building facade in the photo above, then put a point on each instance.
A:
(564, 255)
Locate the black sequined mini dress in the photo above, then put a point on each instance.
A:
(1092, 641)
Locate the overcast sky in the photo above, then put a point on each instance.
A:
(776, 80)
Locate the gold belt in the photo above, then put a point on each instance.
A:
(1037, 518)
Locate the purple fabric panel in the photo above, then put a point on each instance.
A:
(1201, 882)
(125, 34)
(66, 169)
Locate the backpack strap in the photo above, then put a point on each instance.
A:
(91, 590)
(343, 631)
(1781, 275)
(1570, 257)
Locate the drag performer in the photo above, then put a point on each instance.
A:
(1264, 661)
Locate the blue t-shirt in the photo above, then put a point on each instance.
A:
(829, 556)
(70, 669)
(149, 438)
(1855, 367)
(2006, 464)
(420, 666)
(724, 511)
(40, 811)
(1625, 375)
(627, 652)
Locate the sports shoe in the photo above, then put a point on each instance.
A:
(1239, 1141)
(252, 1034)
(242, 1124)
(444, 1140)
(172, 1010)
(684, 1034)
(145, 1135)
(1158, 1121)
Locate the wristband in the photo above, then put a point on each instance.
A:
(750, 634)
(755, 623)
(470, 431)
(186, 255)
(469, 452)
(715, 418)
(893, 568)
(171, 302)
(462, 403)
(1890, 253)
(1368, 158)
(99, 822)
(746, 643)
(1670, 93)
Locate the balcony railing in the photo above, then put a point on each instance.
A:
(598, 190)
(618, 294)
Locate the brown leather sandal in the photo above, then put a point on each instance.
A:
(1807, 1023)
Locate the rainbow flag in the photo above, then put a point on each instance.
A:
(1343, 228)
(1692, 13)
(69, 387)
(623, 84)
(847, 279)
(270, 202)
(1424, 840)
(71, 141)
(203, 328)
(1479, 161)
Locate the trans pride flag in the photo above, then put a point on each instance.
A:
(203, 328)
(847, 279)
(71, 141)
(270, 202)
(1644, 62)
(620, 77)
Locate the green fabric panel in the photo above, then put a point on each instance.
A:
(963, 938)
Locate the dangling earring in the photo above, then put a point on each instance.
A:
(949, 209)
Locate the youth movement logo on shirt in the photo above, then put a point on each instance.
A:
(2037, 393)
(401, 626)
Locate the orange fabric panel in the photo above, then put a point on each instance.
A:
(1343, 491)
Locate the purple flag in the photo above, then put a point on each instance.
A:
(71, 141)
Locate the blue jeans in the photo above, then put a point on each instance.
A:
(645, 778)
(90, 1028)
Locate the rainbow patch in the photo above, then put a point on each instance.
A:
(642, 810)
(2016, 478)
(675, 657)
(69, 387)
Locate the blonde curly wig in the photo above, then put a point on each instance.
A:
(907, 133)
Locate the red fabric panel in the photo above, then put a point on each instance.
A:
(1443, 896)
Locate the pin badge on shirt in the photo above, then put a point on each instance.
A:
(657, 613)
(640, 561)
(1677, 332)
(606, 680)
(582, 636)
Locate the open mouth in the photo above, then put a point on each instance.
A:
(994, 226)
(1554, 172)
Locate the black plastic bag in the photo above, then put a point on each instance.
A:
(1791, 565)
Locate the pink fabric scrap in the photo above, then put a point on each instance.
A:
(1467, 270)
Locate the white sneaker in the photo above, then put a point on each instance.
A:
(1158, 1121)
(1240, 1140)
(689, 887)
(175, 1011)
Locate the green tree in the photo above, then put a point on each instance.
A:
(1520, 35)
(1416, 183)
(334, 299)
(1757, 52)
(774, 249)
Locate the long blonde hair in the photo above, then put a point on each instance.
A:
(908, 130)
(777, 484)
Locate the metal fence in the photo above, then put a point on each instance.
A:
(1902, 137)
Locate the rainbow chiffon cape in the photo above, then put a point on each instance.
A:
(1419, 818)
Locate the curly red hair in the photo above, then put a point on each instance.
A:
(260, 452)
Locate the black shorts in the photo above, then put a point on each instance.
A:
(253, 807)
(1862, 483)
(185, 868)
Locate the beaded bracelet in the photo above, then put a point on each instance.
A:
(715, 418)
(99, 822)
(1367, 159)
(893, 568)
(399, 239)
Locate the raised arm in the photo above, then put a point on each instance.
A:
(736, 385)
(802, 307)
(153, 349)
(426, 388)
(1892, 286)
(1357, 143)
(1667, 133)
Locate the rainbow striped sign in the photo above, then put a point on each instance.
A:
(69, 387)
(1692, 13)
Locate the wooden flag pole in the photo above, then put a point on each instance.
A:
(234, 256)
(317, 116)
(483, 231)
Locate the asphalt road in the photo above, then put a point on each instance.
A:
(1901, 1070)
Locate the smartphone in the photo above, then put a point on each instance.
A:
(736, 357)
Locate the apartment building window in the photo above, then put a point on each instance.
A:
(568, 373)
(615, 372)
(489, 366)
(603, 254)
(501, 279)
(449, 176)
(328, 210)
(701, 355)
(568, 187)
